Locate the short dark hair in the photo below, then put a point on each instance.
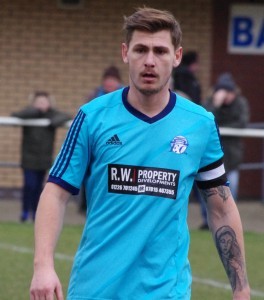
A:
(112, 71)
(40, 94)
(152, 20)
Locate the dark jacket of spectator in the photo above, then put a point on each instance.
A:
(234, 114)
(184, 79)
(38, 142)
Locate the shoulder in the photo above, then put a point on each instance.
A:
(189, 107)
(104, 102)
(241, 100)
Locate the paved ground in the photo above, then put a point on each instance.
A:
(252, 214)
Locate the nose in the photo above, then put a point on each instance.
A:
(150, 59)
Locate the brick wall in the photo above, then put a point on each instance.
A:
(65, 51)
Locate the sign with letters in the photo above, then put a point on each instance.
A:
(139, 180)
(246, 29)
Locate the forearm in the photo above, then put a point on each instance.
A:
(48, 224)
(27, 113)
(49, 219)
(59, 118)
(225, 213)
(224, 221)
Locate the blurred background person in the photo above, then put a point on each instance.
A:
(111, 81)
(184, 77)
(231, 109)
(185, 83)
(37, 149)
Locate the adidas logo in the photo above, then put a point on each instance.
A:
(114, 140)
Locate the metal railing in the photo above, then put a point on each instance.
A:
(254, 130)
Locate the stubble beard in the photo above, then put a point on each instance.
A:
(150, 91)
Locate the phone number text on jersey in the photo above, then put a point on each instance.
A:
(141, 189)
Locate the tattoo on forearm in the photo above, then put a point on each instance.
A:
(230, 254)
(222, 191)
(208, 193)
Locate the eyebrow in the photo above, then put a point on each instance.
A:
(147, 47)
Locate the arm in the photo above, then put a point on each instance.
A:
(214, 102)
(225, 224)
(49, 221)
(244, 114)
(29, 112)
(58, 118)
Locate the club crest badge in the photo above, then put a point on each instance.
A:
(179, 144)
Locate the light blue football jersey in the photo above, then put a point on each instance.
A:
(138, 173)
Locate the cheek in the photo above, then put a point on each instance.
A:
(167, 63)
(133, 68)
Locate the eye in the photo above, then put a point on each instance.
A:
(140, 50)
(160, 51)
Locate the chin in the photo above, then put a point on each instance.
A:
(149, 91)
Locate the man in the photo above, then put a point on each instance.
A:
(184, 77)
(230, 109)
(137, 150)
(111, 81)
(37, 148)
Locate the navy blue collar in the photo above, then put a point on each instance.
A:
(169, 107)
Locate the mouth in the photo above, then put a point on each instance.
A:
(149, 77)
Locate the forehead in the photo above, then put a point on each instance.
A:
(157, 39)
(226, 236)
(41, 98)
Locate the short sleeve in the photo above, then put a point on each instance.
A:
(212, 172)
(73, 159)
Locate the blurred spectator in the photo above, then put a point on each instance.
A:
(111, 81)
(231, 110)
(37, 149)
(186, 84)
(184, 77)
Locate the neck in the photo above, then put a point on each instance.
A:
(149, 105)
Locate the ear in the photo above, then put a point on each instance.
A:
(177, 57)
(124, 53)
